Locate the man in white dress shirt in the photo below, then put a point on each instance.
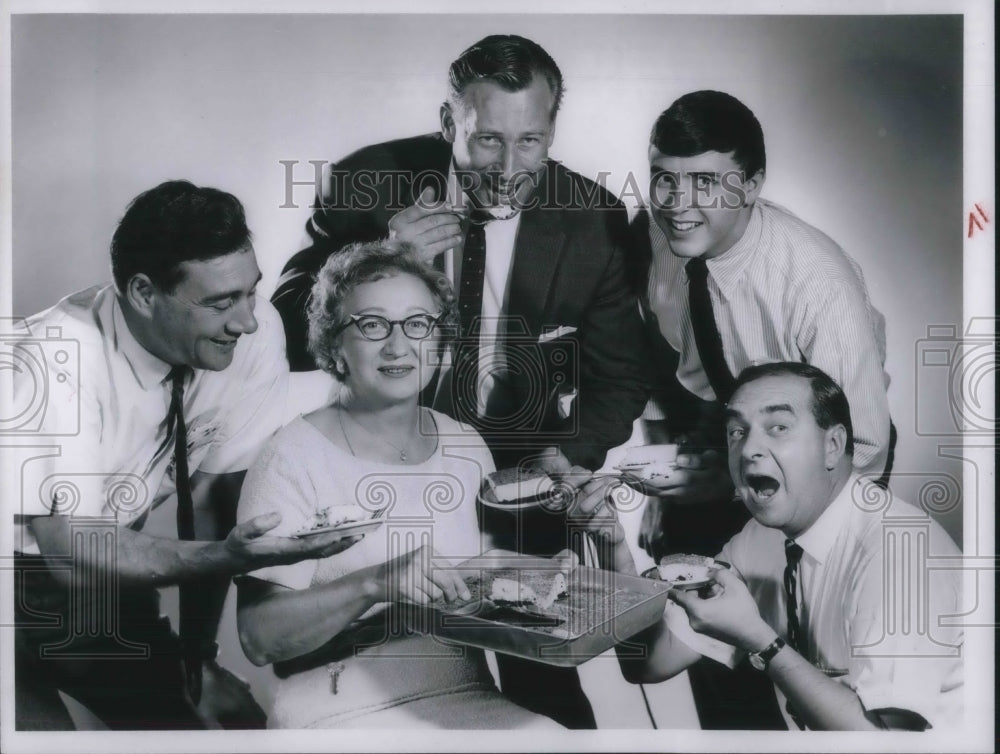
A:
(169, 382)
(731, 280)
(774, 288)
(824, 594)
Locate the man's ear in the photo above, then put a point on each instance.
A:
(752, 187)
(141, 294)
(448, 127)
(836, 445)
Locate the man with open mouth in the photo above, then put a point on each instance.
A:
(734, 280)
(731, 280)
(824, 595)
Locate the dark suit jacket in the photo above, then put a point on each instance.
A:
(569, 269)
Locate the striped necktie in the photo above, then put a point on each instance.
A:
(796, 640)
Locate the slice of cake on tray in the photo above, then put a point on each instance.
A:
(518, 592)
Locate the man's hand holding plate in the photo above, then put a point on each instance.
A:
(729, 615)
(252, 547)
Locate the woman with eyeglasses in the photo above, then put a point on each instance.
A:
(339, 631)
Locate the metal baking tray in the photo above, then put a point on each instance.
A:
(604, 609)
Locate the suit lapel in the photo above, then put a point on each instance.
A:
(537, 252)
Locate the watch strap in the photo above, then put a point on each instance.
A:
(762, 659)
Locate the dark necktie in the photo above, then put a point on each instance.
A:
(470, 291)
(706, 331)
(182, 477)
(187, 600)
(470, 309)
(793, 554)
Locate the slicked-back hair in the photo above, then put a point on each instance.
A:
(510, 62)
(829, 404)
(172, 223)
(710, 121)
(365, 263)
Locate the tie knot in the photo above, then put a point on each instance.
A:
(697, 269)
(178, 375)
(793, 553)
(480, 217)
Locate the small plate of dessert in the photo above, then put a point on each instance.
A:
(686, 571)
(350, 520)
(648, 468)
(519, 489)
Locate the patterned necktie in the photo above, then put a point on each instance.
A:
(470, 309)
(470, 291)
(706, 331)
(182, 478)
(793, 554)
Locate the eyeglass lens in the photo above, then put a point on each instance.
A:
(374, 327)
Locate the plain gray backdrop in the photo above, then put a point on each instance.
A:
(862, 118)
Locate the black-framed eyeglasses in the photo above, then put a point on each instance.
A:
(374, 327)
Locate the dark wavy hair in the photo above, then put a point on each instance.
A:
(508, 61)
(172, 223)
(364, 263)
(710, 121)
(829, 405)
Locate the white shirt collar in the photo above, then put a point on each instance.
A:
(455, 197)
(148, 369)
(727, 268)
(818, 539)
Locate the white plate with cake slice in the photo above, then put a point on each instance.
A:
(350, 520)
(649, 468)
(520, 489)
(350, 528)
(688, 571)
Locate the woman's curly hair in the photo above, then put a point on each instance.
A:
(364, 263)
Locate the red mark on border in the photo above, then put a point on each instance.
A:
(974, 220)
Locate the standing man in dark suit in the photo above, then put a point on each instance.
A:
(549, 368)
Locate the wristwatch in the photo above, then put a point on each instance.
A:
(760, 660)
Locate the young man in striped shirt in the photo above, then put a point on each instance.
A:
(732, 280)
